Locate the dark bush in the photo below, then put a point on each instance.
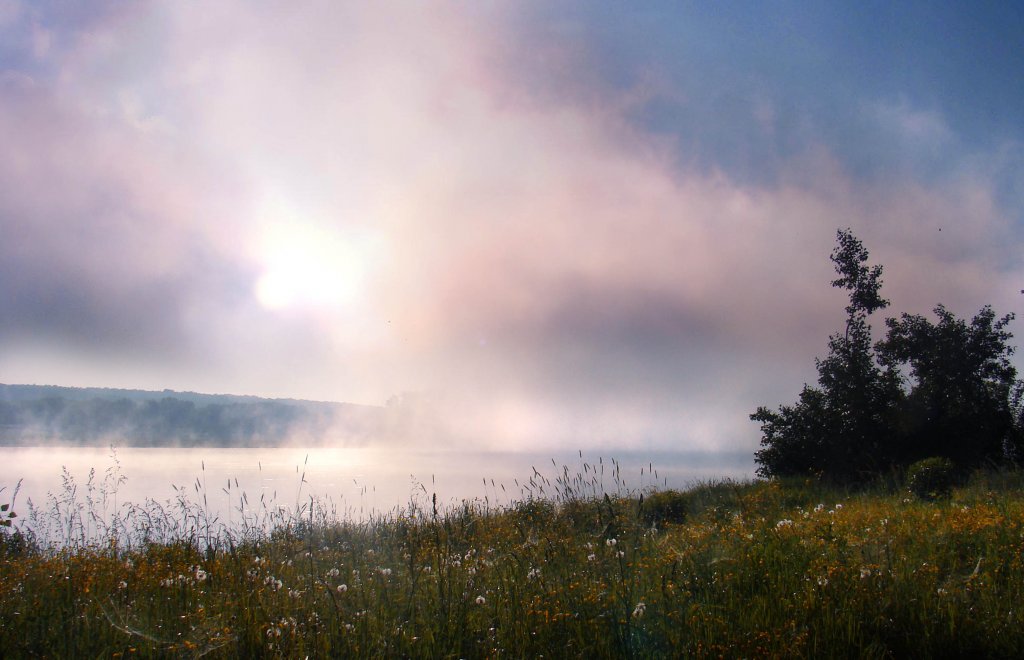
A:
(932, 478)
(665, 506)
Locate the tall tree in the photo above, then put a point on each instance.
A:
(843, 429)
(961, 404)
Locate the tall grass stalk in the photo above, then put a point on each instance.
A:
(569, 569)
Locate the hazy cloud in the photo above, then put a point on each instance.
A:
(346, 202)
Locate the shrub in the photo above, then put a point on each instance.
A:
(931, 478)
(665, 506)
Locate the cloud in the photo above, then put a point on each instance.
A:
(346, 202)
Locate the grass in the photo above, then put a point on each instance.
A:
(734, 569)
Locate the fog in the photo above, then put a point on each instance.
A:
(353, 482)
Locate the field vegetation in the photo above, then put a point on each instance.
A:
(768, 568)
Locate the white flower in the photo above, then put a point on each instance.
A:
(591, 557)
(785, 522)
(865, 573)
(342, 588)
(385, 571)
(200, 574)
(533, 574)
(480, 600)
(611, 543)
(333, 573)
(639, 610)
(819, 508)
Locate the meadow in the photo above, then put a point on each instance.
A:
(722, 569)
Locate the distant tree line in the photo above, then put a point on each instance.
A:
(138, 420)
(929, 388)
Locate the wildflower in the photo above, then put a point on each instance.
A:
(785, 522)
(865, 572)
(591, 557)
(822, 581)
(819, 508)
(620, 554)
(200, 574)
(342, 588)
(122, 585)
(333, 573)
(480, 600)
(839, 506)
(611, 542)
(385, 571)
(639, 610)
(533, 574)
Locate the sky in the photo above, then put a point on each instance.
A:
(577, 224)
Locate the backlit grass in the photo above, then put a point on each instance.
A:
(761, 569)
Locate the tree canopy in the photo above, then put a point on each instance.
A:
(928, 389)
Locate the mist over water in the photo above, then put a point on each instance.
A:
(355, 482)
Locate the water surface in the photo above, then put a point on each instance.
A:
(354, 481)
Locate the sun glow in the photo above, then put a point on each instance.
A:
(307, 266)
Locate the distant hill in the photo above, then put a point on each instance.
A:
(43, 414)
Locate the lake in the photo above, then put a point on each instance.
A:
(354, 482)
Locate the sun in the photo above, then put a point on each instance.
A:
(312, 267)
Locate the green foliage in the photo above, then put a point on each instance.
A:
(960, 405)
(863, 283)
(666, 506)
(786, 568)
(865, 418)
(932, 478)
(841, 428)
